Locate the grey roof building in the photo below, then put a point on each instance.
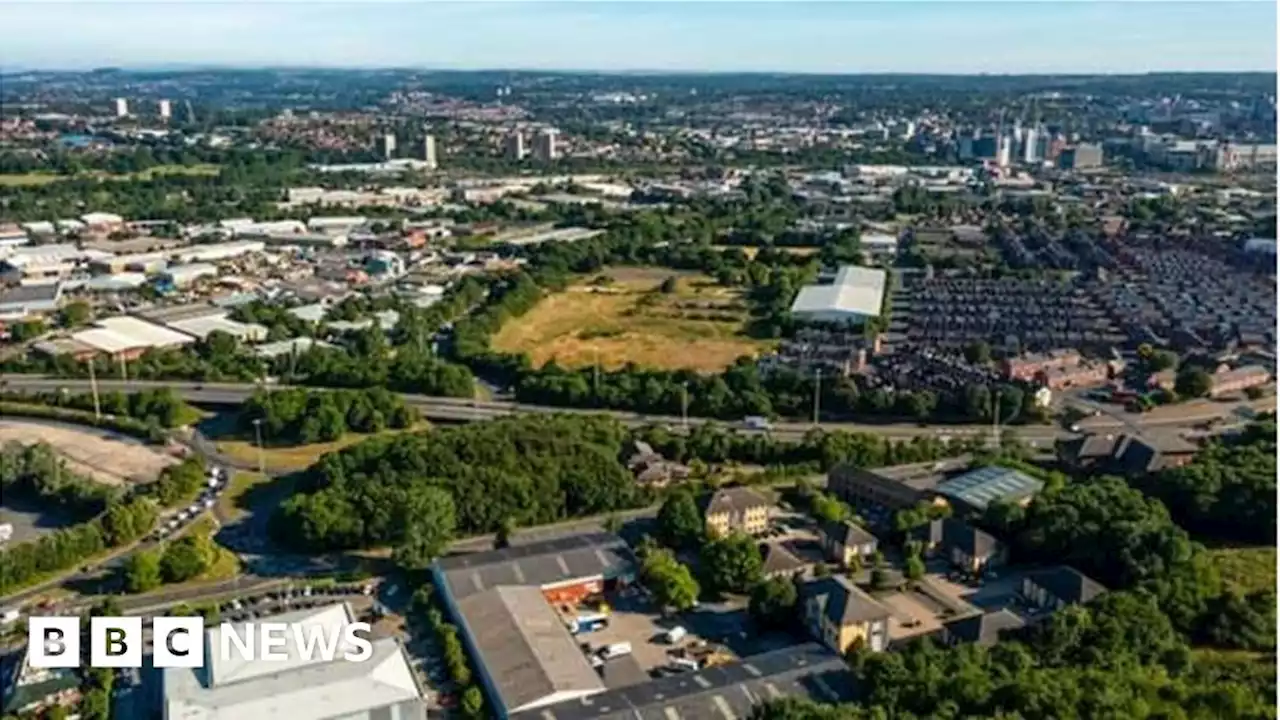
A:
(26, 300)
(716, 693)
(982, 629)
(1057, 587)
(979, 488)
(527, 653)
(1127, 454)
(538, 564)
(302, 687)
(523, 650)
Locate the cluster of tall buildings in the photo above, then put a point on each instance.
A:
(164, 108)
(1030, 145)
(545, 145)
(387, 148)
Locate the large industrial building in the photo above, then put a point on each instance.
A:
(299, 688)
(856, 295)
(502, 602)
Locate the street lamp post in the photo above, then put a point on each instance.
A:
(257, 432)
(684, 406)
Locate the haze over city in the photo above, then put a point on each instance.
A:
(826, 37)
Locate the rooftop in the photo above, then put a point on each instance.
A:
(855, 290)
(300, 688)
(978, 488)
(525, 647)
(716, 693)
(540, 564)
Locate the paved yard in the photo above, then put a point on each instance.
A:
(911, 617)
(105, 456)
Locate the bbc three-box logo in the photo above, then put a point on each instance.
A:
(117, 642)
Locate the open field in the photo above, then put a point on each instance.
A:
(108, 457)
(38, 178)
(1246, 569)
(292, 459)
(621, 315)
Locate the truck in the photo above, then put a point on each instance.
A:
(675, 634)
(615, 650)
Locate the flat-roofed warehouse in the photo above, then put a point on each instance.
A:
(301, 687)
(856, 295)
(501, 600)
(723, 692)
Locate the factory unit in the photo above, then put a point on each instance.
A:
(180, 276)
(856, 295)
(219, 251)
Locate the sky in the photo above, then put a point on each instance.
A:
(953, 36)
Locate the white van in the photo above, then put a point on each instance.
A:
(685, 664)
(756, 422)
(675, 634)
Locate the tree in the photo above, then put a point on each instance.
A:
(680, 523)
(773, 603)
(978, 352)
(142, 571)
(75, 314)
(429, 519)
(731, 563)
(1193, 383)
(506, 529)
(914, 568)
(472, 702)
(186, 558)
(672, 584)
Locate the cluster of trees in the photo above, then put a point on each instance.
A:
(160, 407)
(121, 523)
(471, 699)
(669, 580)
(730, 564)
(183, 559)
(178, 484)
(37, 474)
(296, 416)
(1127, 541)
(819, 450)
(1228, 492)
(412, 491)
(1118, 657)
(15, 405)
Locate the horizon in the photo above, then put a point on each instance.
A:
(658, 38)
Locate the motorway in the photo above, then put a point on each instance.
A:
(449, 409)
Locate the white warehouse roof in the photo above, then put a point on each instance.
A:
(117, 334)
(382, 687)
(858, 292)
(202, 327)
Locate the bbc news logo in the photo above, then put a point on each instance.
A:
(179, 642)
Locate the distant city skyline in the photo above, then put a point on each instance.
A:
(788, 36)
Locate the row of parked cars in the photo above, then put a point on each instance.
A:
(216, 480)
(303, 598)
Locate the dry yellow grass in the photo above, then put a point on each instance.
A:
(298, 457)
(626, 320)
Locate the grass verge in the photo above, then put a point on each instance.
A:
(1246, 569)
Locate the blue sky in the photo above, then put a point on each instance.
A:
(1022, 36)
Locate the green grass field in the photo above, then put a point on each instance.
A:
(1246, 569)
(41, 178)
